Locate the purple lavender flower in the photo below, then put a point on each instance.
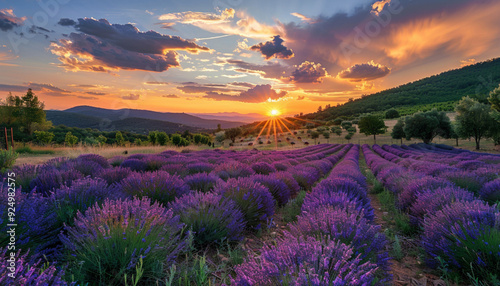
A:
(491, 191)
(200, 167)
(114, 175)
(202, 182)
(277, 187)
(305, 261)
(134, 165)
(211, 217)
(160, 186)
(103, 162)
(263, 168)
(48, 180)
(409, 193)
(27, 273)
(254, 200)
(233, 169)
(175, 169)
(288, 179)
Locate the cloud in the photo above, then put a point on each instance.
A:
(364, 72)
(193, 87)
(244, 84)
(309, 72)
(156, 83)
(274, 48)
(47, 87)
(95, 93)
(66, 22)
(131, 97)
(269, 70)
(257, 94)
(169, 26)
(103, 47)
(170, 96)
(87, 97)
(199, 18)
(13, 88)
(245, 25)
(303, 18)
(467, 62)
(9, 21)
(378, 6)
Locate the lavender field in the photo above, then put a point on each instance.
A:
(187, 218)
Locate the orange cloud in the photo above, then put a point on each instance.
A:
(470, 31)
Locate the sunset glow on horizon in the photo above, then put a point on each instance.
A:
(235, 56)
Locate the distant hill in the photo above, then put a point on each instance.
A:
(179, 118)
(231, 116)
(131, 124)
(476, 80)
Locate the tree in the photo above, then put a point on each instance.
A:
(219, 128)
(427, 125)
(70, 139)
(352, 130)
(398, 131)
(494, 98)
(161, 138)
(372, 125)
(176, 139)
(337, 130)
(348, 136)
(232, 133)
(315, 135)
(44, 137)
(474, 120)
(454, 132)
(326, 134)
(197, 139)
(337, 121)
(102, 139)
(24, 112)
(120, 141)
(152, 137)
(320, 108)
(220, 137)
(391, 114)
(346, 124)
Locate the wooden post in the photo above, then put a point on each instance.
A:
(12, 137)
(6, 139)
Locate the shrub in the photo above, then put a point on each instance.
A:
(211, 217)
(202, 182)
(108, 242)
(116, 161)
(86, 167)
(24, 175)
(263, 168)
(199, 167)
(114, 175)
(7, 159)
(49, 179)
(288, 179)
(254, 200)
(409, 193)
(305, 261)
(134, 165)
(344, 185)
(431, 201)
(27, 273)
(175, 169)
(467, 236)
(103, 162)
(341, 200)
(159, 186)
(348, 228)
(154, 163)
(491, 191)
(293, 208)
(233, 169)
(465, 179)
(279, 190)
(305, 176)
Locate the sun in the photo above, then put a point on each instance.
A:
(274, 112)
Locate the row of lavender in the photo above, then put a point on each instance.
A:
(333, 242)
(80, 208)
(457, 228)
(468, 171)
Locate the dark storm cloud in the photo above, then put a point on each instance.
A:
(364, 72)
(131, 97)
(8, 20)
(269, 70)
(257, 94)
(66, 22)
(170, 96)
(101, 46)
(274, 48)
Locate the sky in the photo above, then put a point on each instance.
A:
(211, 56)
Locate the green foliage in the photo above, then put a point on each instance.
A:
(23, 113)
(293, 208)
(120, 141)
(391, 113)
(102, 139)
(337, 121)
(152, 137)
(494, 98)
(161, 138)
(346, 124)
(91, 141)
(197, 138)
(352, 130)
(427, 125)
(447, 87)
(28, 150)
(7, 159)
(315, 135)
(397, 252)
(474, 120)
(44, 137)
(326, 134)
(232, 133)
(371, 125)
(70, 139)
(348, 136)
(398, 131)
(337, 130)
